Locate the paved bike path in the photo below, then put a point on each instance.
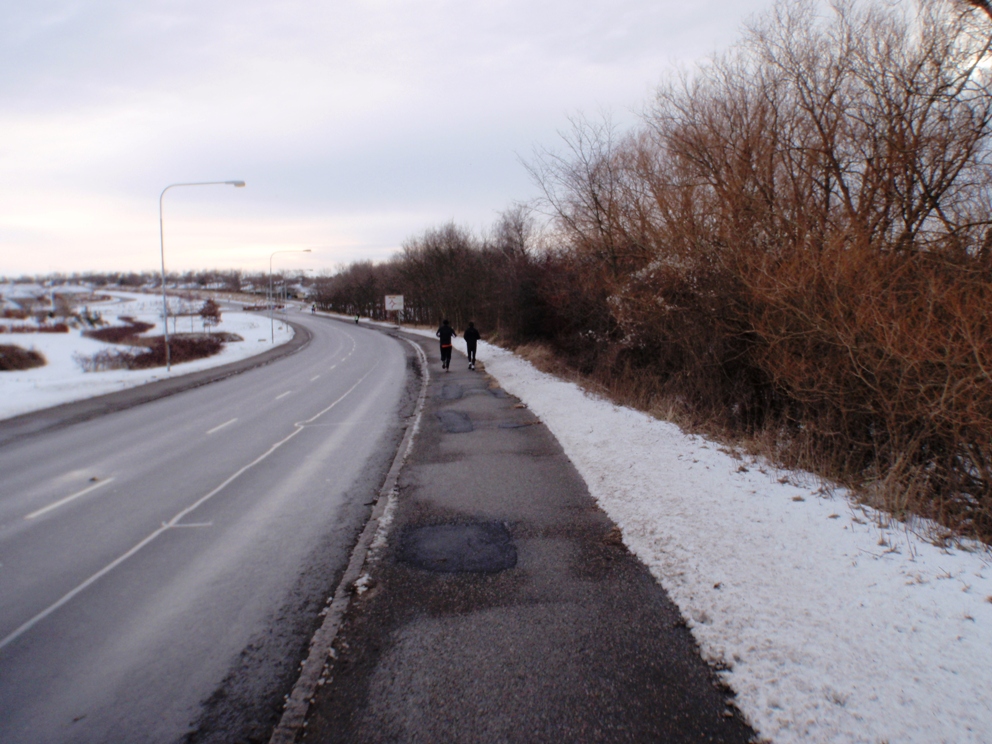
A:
(504, 607)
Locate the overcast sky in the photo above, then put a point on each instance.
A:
(354, 124)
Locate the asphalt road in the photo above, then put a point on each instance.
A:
(162, 567)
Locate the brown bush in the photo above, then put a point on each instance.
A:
(799, 244)
(106, 359)
(796, 247)
(126, 334)
(182, 348)
(33, 328)
(14, 358)
(885, 359)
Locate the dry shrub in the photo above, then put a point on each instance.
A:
(13, 358)
(126, 334)
(182, 348)
(885, 359)
(628, 386)
(795, 249)
(104, 360)
(799, 250)
(544, 358)
(35, 328)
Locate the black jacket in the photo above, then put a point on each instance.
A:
(445, 333)
(471, 335)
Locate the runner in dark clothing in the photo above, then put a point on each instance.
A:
(471, 337)
(445, 333)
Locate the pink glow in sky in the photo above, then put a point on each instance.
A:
(355, 124)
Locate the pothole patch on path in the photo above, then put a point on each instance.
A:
(455, 422)
(479, 547)
(451, 391)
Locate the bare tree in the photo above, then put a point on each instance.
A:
(210, 314)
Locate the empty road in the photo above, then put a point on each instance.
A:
(162, 568)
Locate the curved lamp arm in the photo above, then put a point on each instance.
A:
(161, 235)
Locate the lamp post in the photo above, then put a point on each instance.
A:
(272, 321)
(161, 234)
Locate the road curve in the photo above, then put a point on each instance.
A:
(162, 567)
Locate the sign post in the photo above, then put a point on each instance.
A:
(394, 303)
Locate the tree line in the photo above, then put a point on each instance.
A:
(795, 245)
(226, 280)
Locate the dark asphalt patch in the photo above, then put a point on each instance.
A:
(451, 391)
(455, 422)
(482, 547)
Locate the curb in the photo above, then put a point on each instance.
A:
(314, 668)
(65, 414)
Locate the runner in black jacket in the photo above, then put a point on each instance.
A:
(445, 333)
(471, 337)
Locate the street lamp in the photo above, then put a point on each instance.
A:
(272, 322)
(161, 234)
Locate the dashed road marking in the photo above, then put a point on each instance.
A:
(172, 523)
(218, 428)
(67, 499)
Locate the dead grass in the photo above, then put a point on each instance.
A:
(182, 348)
(104, 360)
(14, 358)
(35, 328)
(630, 389)
(126, 334)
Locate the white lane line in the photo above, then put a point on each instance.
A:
(283, 395)
(354, 347)
(218, 428)
(174, 522)
(314, 378)
(67, 499)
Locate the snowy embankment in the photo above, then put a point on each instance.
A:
(830, 627)
(62, 380)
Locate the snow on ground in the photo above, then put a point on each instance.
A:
(830, 627)
(62, 380)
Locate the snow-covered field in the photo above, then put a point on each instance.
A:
(831, 627)
(62, 380)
